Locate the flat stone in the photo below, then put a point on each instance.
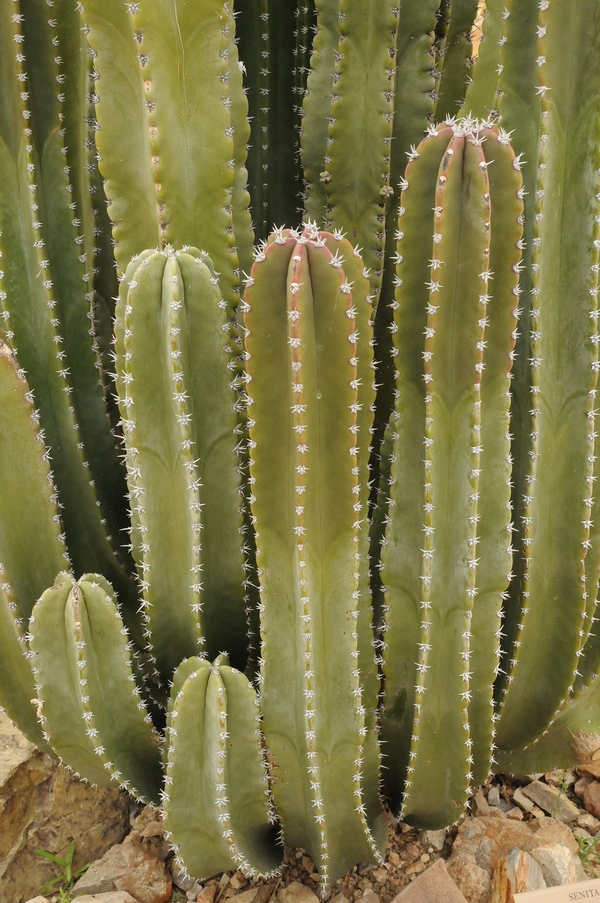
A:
(552, 800)
(246, 896)
(581, 784)
(116, 896)
(473, 881)
(434, 839)
(591, 798)
(369, 896)
(548, 830)
(207, 895)
(559, 865)
(523, 801)
(515, 813)
(433, 886)
(43, 806)
(39, 899)
(296, 892)
(340, 898)
(128, 867)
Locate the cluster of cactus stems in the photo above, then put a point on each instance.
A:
(336, 542)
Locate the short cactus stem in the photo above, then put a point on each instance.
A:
(306, 324)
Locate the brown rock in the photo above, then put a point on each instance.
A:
(473, 882)
(248, 896)
(116, 896)
(296, 893)
(581, 784)
(43, 806)
(515, 813)
(207, 895)
(128, 867)
(586, 820)
(552, 800)
(548, 830)
(591, 798)
(369, 896)
(38, 899)
(433, 886)
(517, 873)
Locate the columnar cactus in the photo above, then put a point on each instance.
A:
(447, 547)
(307, 339)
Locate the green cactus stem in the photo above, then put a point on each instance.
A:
(564, 370)
(217, 805)
(43, 303)
(305, 327)
(455, 62)
(178, 414)
(453, 391)
(91, 709)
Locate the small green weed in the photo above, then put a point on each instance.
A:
(63, 883)
(589, 854)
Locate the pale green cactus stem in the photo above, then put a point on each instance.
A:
(44, 304)
(454, 62)
(28, 519)
(172, 130)
(560, 487)
(305, 327)
(91, 710)
(177, 405)
(458, 399)
(218, 811)
(357, 184)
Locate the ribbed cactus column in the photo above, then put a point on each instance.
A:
(561, 483)
(217, 802)
(28, 520)
(306, 326)
(447, 552)
(91, 709)
(177, 406)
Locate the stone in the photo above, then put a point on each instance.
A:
(434, 839)
(39, 899)
(182, 879)
(552, 800)
(473, 881)
(246, 896)
(559, 864)
(207, 895)
(296, 892)
(44, 806)
(591, 798)
(515, 813)
(128, 867)
(433, 886)
(548, 830)
(517, 873)
(115, 896)
(369, 896)
(586, 820)
(482, 807)
(523, 801)
(340, 898)
(581, 784)
(379, 875)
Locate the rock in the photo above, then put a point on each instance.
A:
(369, 896)
(559, 864)
(247, 896)
(473, 882)
(581, 784)
(43, 806)
(207, 895)
(182, 879)
(128, 867)
(552, 800)
(548, 830)
(433, 886)
(591, 798)
(515, 813)
(517, 873)
(523, 801)
(586, 820)
(341, 898)
(379, 875)
(435, 839)
(296, 893)
(482, 807)
(115, 896)
(38, 899)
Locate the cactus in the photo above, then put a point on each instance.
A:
(218, 811)
(178, 414)
(306, 316)
(253, 433)
(448, 496)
